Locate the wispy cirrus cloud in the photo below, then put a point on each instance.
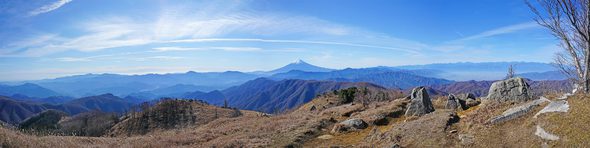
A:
(74, 59)
(410, 50)
(122, 55)
(501, 30)
(465, 43)
(174, 25)
(174, 48)
(159, 58)
(102, 57)
(49, 7)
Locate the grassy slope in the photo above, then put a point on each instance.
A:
(571, 127)
(252, 130)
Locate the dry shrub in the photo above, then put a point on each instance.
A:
(439, 102)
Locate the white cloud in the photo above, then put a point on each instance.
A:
(48, 8)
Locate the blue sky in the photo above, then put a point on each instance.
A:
(52, 38)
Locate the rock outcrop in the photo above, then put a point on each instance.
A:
(452, 102)
(510, 90)
(420, 102)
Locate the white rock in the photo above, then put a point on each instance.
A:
(555, 106)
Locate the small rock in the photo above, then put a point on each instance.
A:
(325, 137)
(452, 102)
(466, 139)
(395, 146)
(466, 96)
(349, 125)
(378, 120)
(312, 108)
(462, 99)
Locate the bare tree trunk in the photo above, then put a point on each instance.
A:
(569, 21)
(585, 77)
(587, 57)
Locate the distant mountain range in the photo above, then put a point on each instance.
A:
(158, 85)
(14, 111)
(301, 66)
(548, 75)
(140, 88)
(465, 71)
(388, 77)
(47, 100)
(270, 96)
(121, 85)
(28, 89)
(481, 88)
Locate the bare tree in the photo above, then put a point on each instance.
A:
(225, 105)
(568, 20)
(510, 72)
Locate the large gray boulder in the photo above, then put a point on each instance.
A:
(452, 102)
(420, 102)
(510, 90)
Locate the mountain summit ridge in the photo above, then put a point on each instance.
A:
(300, 65)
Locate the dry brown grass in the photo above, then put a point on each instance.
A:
(11, 138)
(302, 127)
(170, 114)
(571, 127)
(517, 132)
(436, 126)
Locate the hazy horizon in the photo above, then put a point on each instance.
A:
(254, 71)
(48, 39)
